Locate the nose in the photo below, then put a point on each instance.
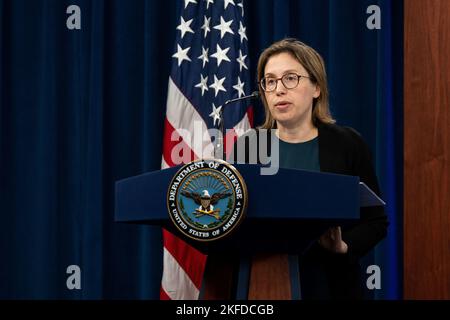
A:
(280, 88)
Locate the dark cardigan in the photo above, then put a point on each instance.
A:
(342, 150)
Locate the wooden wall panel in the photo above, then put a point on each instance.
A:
(427, 149)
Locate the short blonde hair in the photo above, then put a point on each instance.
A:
(313, 64)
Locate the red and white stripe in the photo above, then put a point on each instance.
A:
(183, 269)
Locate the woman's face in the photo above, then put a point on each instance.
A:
(289, 107)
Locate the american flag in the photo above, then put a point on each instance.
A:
(210, 66)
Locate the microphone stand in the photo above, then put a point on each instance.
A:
(220, 140)
(218, 146)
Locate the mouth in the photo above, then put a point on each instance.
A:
(282, 105)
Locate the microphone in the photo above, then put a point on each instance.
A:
(218, 147)
(255, 94)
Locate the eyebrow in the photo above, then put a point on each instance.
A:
(285, 72)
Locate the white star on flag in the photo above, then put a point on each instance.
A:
(208, 2)
(220, 55)
(227, 2)
(204, 56)
(186, 2)
(205, 25)
(215, 114)
(241, 4)
(241, 62)
(184, 27)
(241, 32)
(202, 84)
(181, 54)
(224, 27)
(218, 85)
(239, 86)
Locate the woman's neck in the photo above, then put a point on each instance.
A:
(299, 133)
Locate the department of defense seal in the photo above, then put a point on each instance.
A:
(207, 199)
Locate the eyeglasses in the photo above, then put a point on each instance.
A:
(289, 80)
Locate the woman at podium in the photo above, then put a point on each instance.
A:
(293, 88)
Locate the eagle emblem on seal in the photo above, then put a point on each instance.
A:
(206, 202)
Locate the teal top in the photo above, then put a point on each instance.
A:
(302, 155)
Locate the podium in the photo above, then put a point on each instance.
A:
(286, 213)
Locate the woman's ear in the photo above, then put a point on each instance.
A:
(317, 91)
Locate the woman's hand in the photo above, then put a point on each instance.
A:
(332, 240)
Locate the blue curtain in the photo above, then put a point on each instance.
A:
(81, 109)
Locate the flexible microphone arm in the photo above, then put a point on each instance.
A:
(255, 94)
(219, 143)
